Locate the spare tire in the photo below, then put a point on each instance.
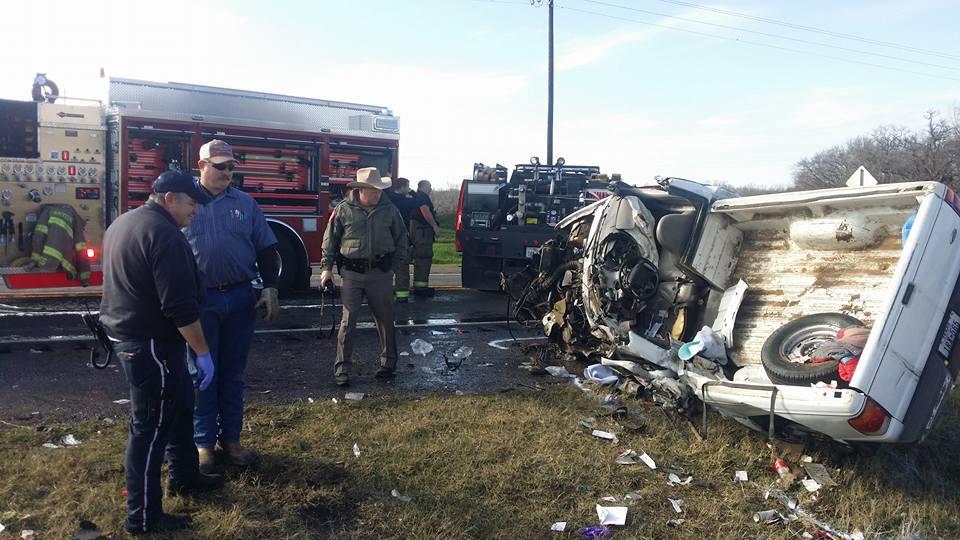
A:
(786, 352)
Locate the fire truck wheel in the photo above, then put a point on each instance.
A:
(786, 352)
(289, 263)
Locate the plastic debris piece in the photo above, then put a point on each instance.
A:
(402, 498)
(28, 534)
(767, 516)
(676, 523)
(674, 480)
(648, 460)
(806, 459)
(421, 347)
(485, 364)
(587, 422)
(593, 532)
(404, 353)
(609, 498)
(612, 515)
(631, 498)
(121, 401)
(558, 371)
(740, 476)
(354, 396)
(335, 401)
(70, 440)
(309, 400)
(463, 352)
(819, 473)
(559, 526)
(356, 450)
(51, 445)
(707, 344)
(811, 484)
(677, 505)
(627, 457)
(600, 434)
(600, 373)
(2, 527)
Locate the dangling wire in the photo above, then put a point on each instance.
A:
(100, 336)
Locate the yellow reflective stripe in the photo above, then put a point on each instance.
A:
(84, 275)
(41, 228)
(403, 294)
(62, 224)
(67, 265)
(420, 284)
(39, 259)
(80, 246)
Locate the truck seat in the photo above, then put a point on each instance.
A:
(673, 232)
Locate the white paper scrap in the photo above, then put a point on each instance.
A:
(674, 480)
(402, 498)
(741, 476)
(677, 505)
(604, 435)
(627, 457)
(609, 498)
(558, 371)
(810, 484)
(648, 460)
(559, 526)
(70, 440)
(50, 445)
(356, 450)
(121, 401)
(354, 396)
(612, 515)
(2, 527)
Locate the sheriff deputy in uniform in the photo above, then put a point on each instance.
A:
(151, 304)
(423, 233)
(366, 238)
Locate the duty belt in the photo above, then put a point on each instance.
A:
(381, 262)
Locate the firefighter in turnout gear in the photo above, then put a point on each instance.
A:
(423, 233)
(366, 238)
(58, 242)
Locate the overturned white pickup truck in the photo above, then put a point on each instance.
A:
(633, 277)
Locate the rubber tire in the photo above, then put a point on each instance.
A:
(774, 355)
(290, 261)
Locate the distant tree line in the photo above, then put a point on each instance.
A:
(891, 154)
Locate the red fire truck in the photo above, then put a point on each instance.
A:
(295, 156)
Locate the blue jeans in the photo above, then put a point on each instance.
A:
(228, 318)
(161, 408)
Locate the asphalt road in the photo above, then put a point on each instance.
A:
(290, 360)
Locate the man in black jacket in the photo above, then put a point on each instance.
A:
(150, 307)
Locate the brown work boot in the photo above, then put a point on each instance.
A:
(238, 455)
(208, 460)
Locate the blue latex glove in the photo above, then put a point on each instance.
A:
(205, 367)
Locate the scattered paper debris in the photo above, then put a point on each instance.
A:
(402, 498)
(354, 396)
(309, 400)
(2, 527)
(50, 445)
(421, 347)
(121, 401)
(740, 476)
(674, 480)
(676, 523)
(335, 401)
(356, 450)
(612, 515)
(819, 473)
(600, 434)
(648, 460)
(28, 534)
(677, 505)
(811, 484)
(587, 422)
(70, 440)
(627, 457)
(559, 526)
(631, 498)
(558, 371)
(609, 498)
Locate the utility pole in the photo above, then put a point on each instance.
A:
(550, 88)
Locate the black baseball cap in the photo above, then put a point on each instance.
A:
(181, 182)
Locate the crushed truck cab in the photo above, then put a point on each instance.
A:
(632, 278)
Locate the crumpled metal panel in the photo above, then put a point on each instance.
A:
(787, 282)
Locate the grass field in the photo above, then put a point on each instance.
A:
(444, 250)
(491, 466)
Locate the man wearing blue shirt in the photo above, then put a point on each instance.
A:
(231, 241)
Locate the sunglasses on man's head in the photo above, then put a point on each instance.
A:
(225, 166)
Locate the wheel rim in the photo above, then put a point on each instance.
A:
(797, 348)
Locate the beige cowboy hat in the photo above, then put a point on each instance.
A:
(369, 177)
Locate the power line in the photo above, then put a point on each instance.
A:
(767, 45)
(813, 29)
(776, 36)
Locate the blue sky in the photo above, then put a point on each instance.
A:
(468, 77)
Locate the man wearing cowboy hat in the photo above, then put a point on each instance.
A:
(367, 239)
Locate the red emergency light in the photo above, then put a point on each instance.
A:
(91, 253)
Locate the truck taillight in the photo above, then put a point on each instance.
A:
(459, 226)
(91, 253)
(872, 420)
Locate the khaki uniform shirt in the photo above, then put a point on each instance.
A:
(364, 233)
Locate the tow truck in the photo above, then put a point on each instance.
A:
(501, 223)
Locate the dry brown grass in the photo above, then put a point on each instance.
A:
(500, 466)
